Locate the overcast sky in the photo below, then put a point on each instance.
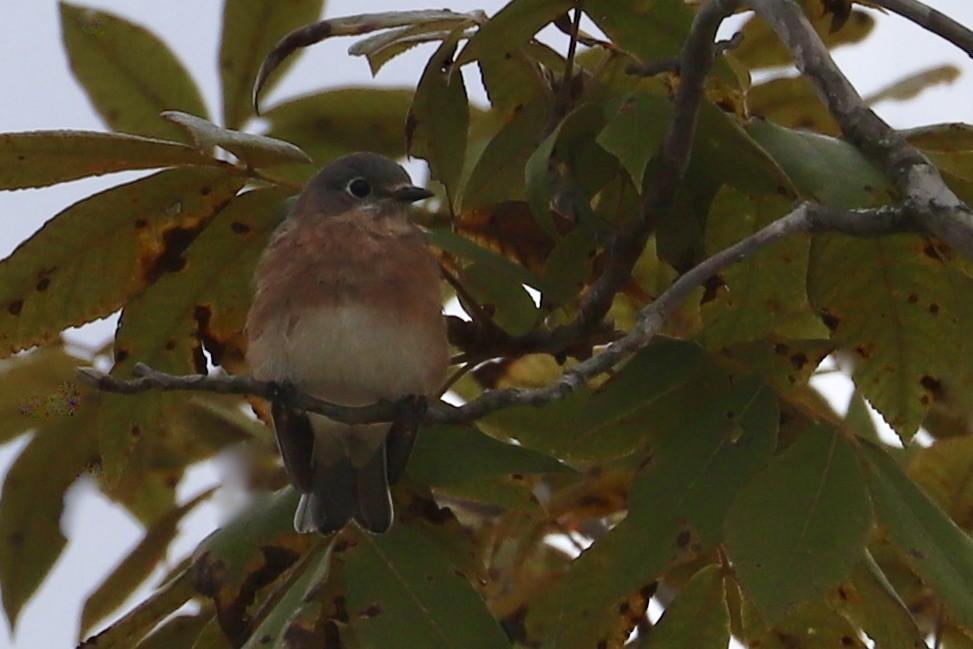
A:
(40, 93)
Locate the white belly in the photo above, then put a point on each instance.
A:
(348, 354)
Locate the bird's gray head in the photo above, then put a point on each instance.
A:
(360, 181)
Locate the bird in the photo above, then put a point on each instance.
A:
(347, 307)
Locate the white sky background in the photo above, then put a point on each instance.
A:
(40, 94)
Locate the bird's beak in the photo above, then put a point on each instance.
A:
(410, 194)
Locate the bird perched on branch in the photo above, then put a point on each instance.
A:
(347, 308)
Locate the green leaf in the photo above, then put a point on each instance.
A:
(130, 75)
(800, 526)
(42, 158)
(498, 174)
(902, 313)
(136, 567)
(464, 248)
(336, 122)
(635, 131)
(33, 500)
(939, 552)
(511, 27)
(588, 602)
(814, 161)
(651, 374)
(251, 28)
(651, 30)
(438, 124)
(446, 455)
(698, 617)
(95, 255)
(255, 150)
(720, 430)
(579, 125)
(402, 591)
(506, 300)
(765, 294)
(567, 268)
(810, 626)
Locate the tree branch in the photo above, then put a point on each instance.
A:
(806, 218)
(934, 205)
(629, 241)
(932, 20)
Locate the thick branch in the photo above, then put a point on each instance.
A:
(935, 21)
(806, 218)
(935, 207)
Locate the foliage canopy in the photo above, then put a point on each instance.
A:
(703, 469)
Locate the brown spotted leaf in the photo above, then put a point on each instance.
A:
(95, 255)
(902, 314)
(247, 554)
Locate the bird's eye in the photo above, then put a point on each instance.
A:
(359, 188)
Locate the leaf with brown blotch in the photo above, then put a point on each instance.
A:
(97, 254)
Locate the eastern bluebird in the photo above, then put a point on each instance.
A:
(348, 308)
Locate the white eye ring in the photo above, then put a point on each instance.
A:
(359, 188)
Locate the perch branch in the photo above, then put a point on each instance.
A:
(806, 218)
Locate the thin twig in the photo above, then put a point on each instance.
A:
(932, 20)
(806, 218)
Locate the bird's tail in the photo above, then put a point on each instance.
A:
(341, 492)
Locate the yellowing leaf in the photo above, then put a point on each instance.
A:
(136, 567)
(761, 48)
(32, 501)
(791, 102)
(129, 74)
(42, 158)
